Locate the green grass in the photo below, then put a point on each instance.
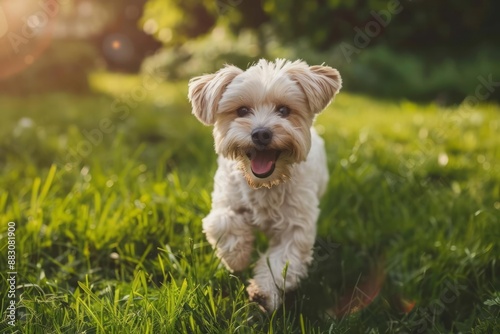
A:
(109, 240)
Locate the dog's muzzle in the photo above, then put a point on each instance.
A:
(262, 158)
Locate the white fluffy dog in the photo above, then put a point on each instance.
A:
(272, 167)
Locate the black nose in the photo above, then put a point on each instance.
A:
(262, 136)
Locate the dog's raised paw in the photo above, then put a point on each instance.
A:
(256, 296)
(268, 301)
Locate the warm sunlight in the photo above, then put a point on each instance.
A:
(27, 31)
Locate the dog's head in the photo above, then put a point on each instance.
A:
(262, 116)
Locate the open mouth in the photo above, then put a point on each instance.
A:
(263, 162)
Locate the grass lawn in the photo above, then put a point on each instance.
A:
(107, 193)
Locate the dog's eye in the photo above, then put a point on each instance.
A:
(284, 111)
(242, 111)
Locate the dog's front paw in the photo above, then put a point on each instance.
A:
(268, 299)
(232, 238)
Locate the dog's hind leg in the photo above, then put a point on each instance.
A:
(284, 264)
(231, 237)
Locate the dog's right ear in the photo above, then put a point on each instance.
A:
(206, 91)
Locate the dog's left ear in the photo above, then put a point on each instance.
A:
(206, 91)
(320, 84)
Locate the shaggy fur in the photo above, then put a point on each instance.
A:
(269, 180)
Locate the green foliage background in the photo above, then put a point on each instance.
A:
(429, 50)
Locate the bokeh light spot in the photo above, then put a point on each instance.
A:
(150, 27)
(33, 22)
(119, 48)
(443, 159)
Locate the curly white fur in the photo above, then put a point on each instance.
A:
(284, 204)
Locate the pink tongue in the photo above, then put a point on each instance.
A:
(263, 161)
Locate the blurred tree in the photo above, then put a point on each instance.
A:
(239, 15)
(323, 23)
(422, 47)
(418, 25)
(415, 25)
(176, 21)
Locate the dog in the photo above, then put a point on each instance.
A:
(272, 168)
